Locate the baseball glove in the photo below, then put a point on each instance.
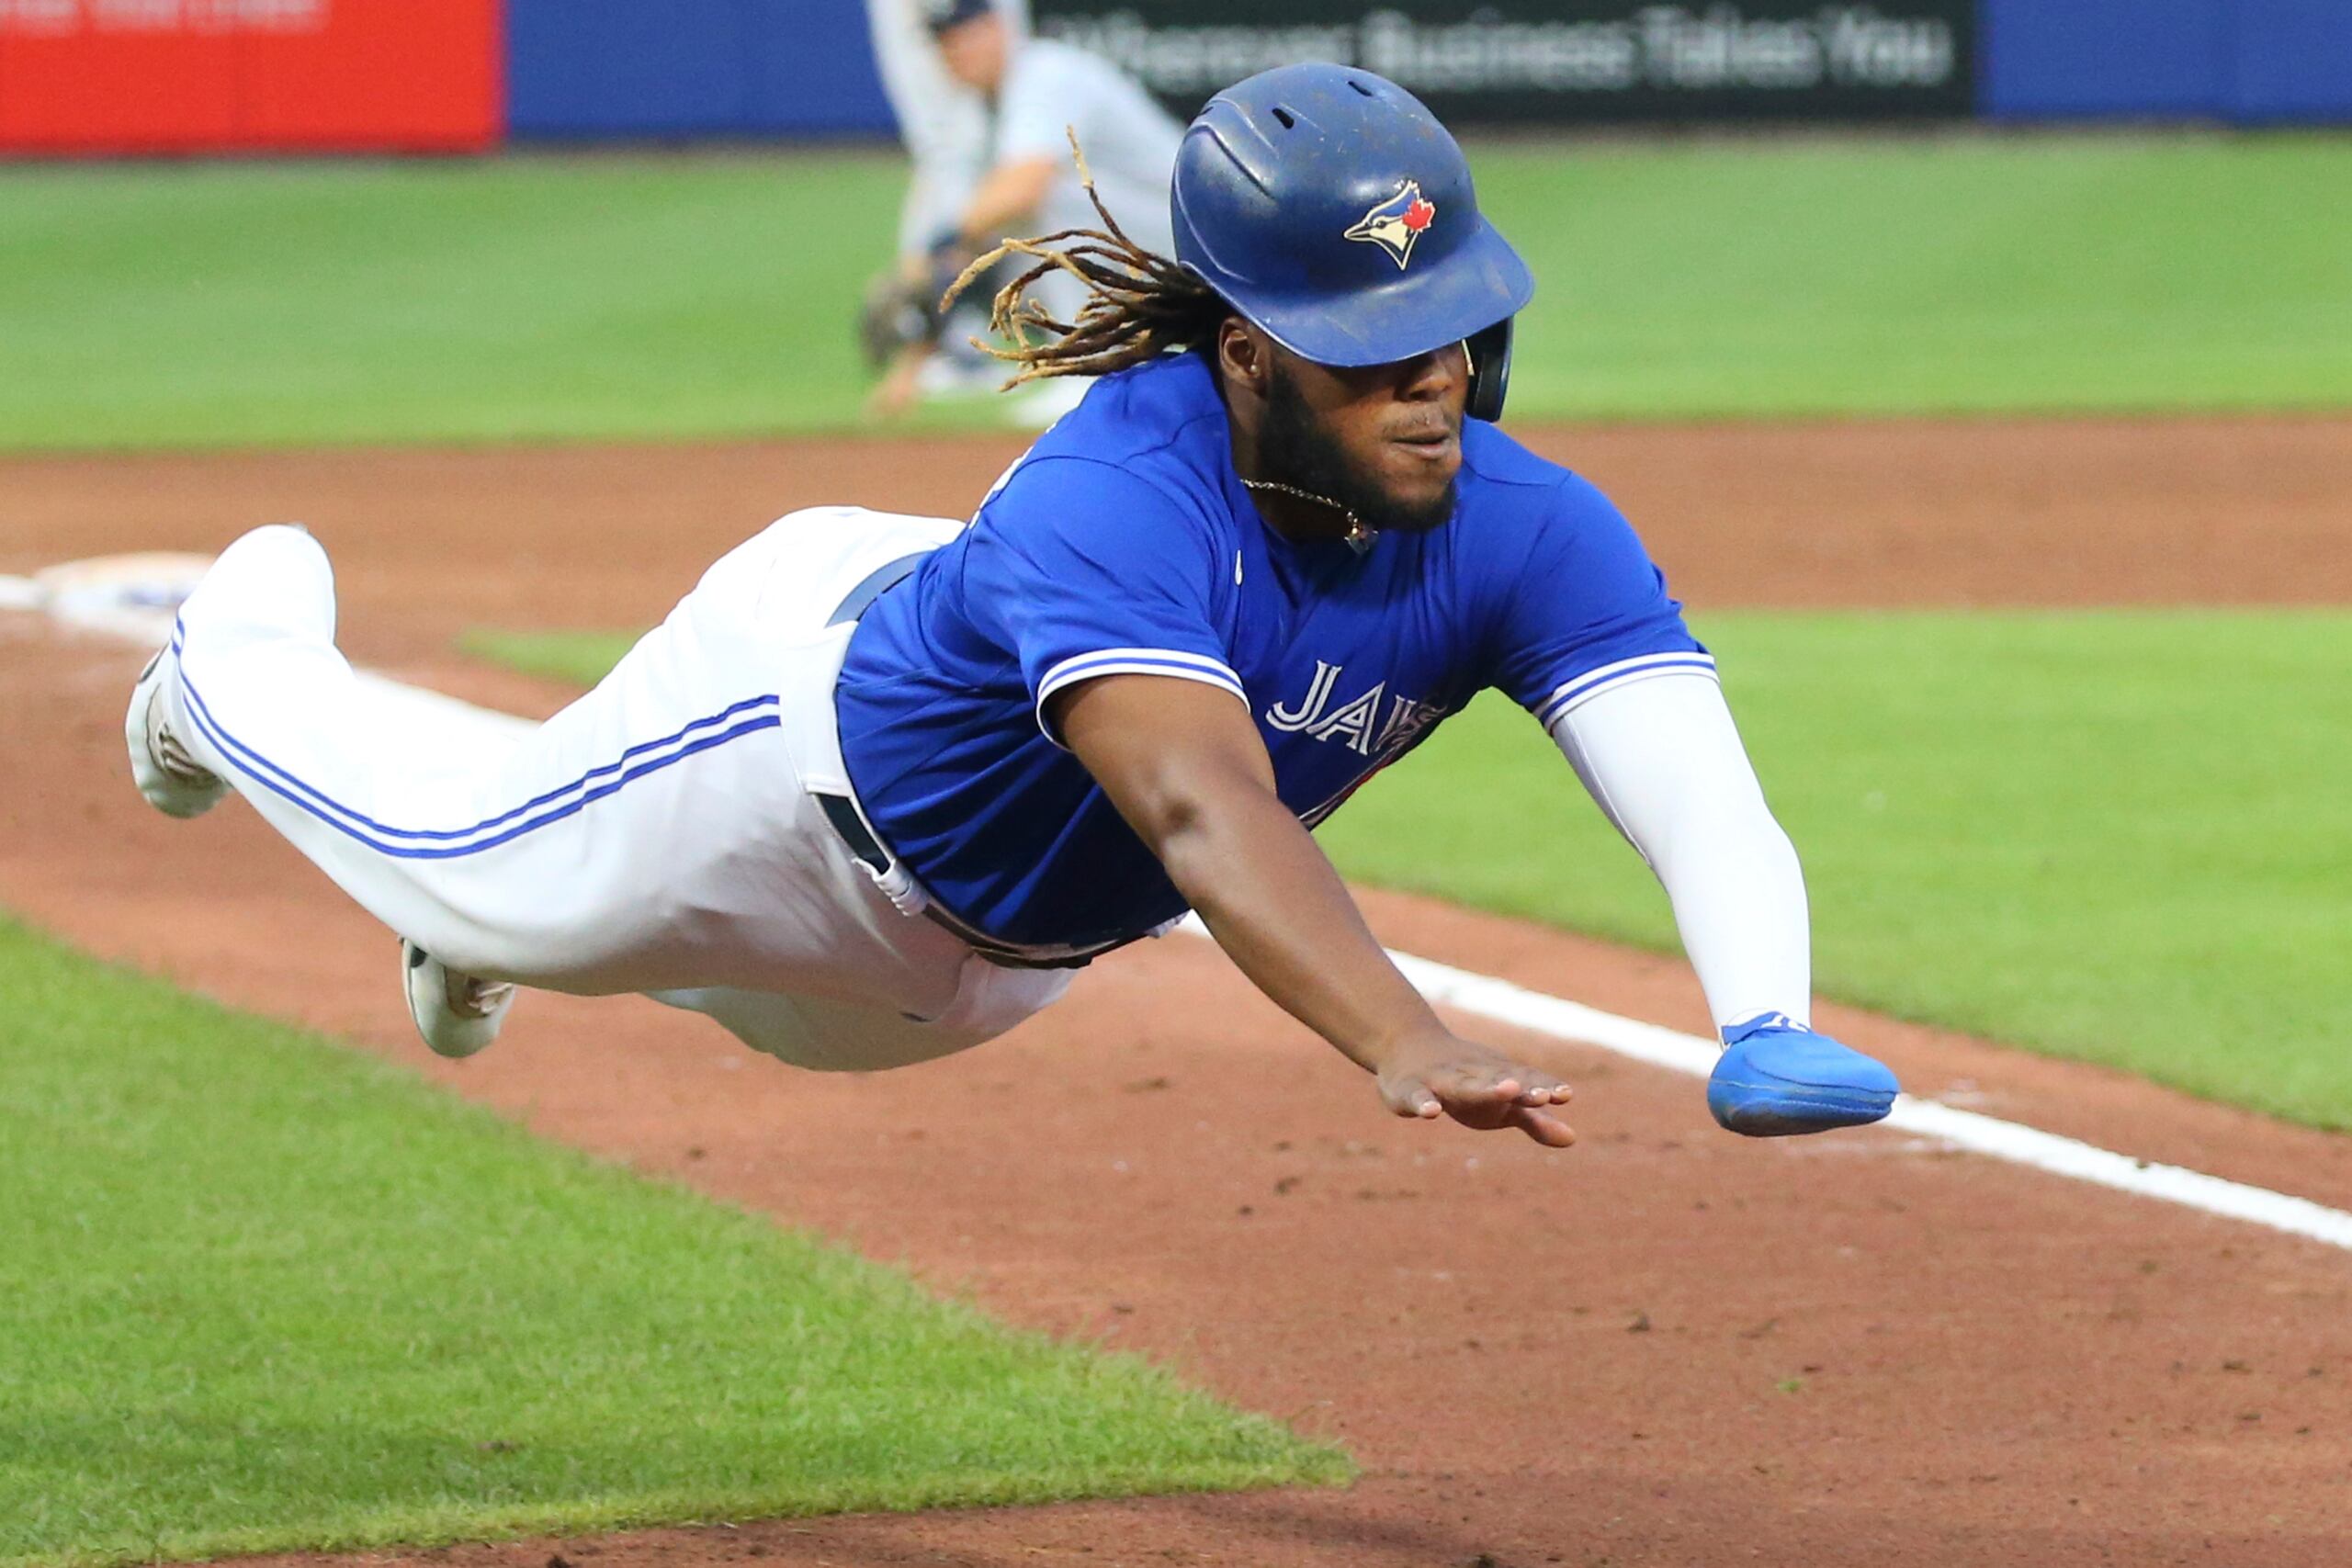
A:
(898, 313)
(902, 309)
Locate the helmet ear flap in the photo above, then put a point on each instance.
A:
(1489, 353)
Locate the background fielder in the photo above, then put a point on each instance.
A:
(942, 123)
(1036, 96)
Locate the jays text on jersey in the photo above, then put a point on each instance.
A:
(1125, 543)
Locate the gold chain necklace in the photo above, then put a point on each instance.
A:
(1357, 537)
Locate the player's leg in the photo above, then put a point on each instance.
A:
(653, 835)
(252, 691)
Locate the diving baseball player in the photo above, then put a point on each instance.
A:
(1040, 95)
(879, 785)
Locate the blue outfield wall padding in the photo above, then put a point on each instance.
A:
(2098, 59)
(622, 68)
(812, 72)
(2292, 62)
(590, 68)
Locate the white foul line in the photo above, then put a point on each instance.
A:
(1520, 1008)
(1503, 1002)
(1515, 1004)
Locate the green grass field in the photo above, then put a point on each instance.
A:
(2122, 836)
(261, 1292)
(627, 298)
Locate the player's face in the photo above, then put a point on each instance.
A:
(1384, 441)
(974, 52)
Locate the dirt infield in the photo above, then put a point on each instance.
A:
(1664, 1347)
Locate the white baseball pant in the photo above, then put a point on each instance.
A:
(657, 835)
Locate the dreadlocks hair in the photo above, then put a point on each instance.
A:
(1139, 305)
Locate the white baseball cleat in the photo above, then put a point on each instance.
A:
(455, 1014)
(174, 783)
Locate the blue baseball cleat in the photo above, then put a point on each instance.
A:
(1776, 1078)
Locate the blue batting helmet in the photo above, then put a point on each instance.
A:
(1329, 208)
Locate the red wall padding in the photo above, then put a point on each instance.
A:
(225, 75)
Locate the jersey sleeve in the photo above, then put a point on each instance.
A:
(1587, 611)
(1082, 570)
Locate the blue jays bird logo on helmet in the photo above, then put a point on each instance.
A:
(1395, 224)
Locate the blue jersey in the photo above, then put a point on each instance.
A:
(1123, 542)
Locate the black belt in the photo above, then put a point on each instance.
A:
(859, 840)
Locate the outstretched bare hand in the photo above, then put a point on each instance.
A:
(1481, 1089)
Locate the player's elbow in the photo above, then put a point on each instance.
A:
(1174, 818)
(1196, 824)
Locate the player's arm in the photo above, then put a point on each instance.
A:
(1036, 109)
(1006, 196)
(1009, 192)
(1185, 767)
(1664, 761)
(1592, 645)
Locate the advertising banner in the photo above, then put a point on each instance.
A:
(223, 75)
(1561, 60)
